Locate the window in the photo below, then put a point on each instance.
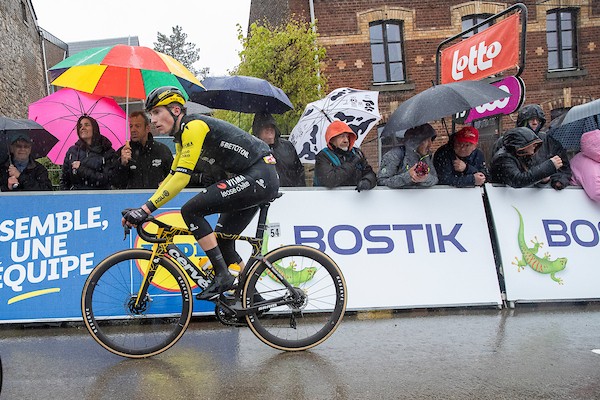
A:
(561, 37)
(386, 51)
(388, 142)
(24, 11)
(472, 20)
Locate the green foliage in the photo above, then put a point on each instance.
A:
(289, 57)
(53, 171)
(184, 52)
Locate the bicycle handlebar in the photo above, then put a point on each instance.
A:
(150, 237)
(144, 234)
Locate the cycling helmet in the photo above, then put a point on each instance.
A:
(162, 96)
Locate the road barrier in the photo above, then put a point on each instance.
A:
(409, 248)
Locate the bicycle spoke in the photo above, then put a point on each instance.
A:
(306, 320)
(129, 327)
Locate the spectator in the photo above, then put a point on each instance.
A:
(21, 172)
(410, 164)
(586, 165)
(89, 162)
(459, 162)
(340, 163)
(532, 116)
(289, 167)
(514, 163)
(142, 163)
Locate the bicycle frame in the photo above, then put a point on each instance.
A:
(164, 246)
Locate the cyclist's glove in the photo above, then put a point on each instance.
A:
(135, 216)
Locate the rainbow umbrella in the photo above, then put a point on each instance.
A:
(122, 71)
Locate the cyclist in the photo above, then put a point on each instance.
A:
(246, 158)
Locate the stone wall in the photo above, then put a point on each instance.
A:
(21, 65)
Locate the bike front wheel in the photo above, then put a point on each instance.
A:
(128, 320)
(310, 319)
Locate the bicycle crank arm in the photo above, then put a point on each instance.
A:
(238, 309)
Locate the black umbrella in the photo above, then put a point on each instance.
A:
(11, 129)
(441, 101)
(569, 134)
(240, 93)
(582, 111)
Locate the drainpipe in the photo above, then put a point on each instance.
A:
(42, 40)
(311, 6)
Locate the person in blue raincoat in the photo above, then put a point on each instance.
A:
(459, 162)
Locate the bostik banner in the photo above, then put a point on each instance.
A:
(548, 242)
(489, 52)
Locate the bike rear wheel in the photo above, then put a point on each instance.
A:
(305, 323)
(117, 323)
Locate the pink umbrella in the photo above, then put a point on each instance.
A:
(58, 114)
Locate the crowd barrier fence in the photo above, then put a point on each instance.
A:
(412, 248)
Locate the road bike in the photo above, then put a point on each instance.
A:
(138, 302)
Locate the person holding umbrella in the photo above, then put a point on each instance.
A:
(21, 172)
(89, 162)
(411, 164)
(289, 168)
(198, 137)
(340, 163)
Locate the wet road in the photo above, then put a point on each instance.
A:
(541, 352)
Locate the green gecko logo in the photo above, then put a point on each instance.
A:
(293, 275)
(528, 256)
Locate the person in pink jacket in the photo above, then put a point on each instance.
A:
(585, 165)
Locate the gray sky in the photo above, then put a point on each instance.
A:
(210, 25)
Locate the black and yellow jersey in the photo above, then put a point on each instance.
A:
(214, 141)
(218, 142)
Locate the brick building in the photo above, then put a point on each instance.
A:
(562, 64)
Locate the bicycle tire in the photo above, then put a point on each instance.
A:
(300, 326)
(121, 328)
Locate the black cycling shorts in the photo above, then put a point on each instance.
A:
(236, 199)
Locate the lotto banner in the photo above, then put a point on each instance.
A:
(548, 241)
(489, 52)
(512, 85)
